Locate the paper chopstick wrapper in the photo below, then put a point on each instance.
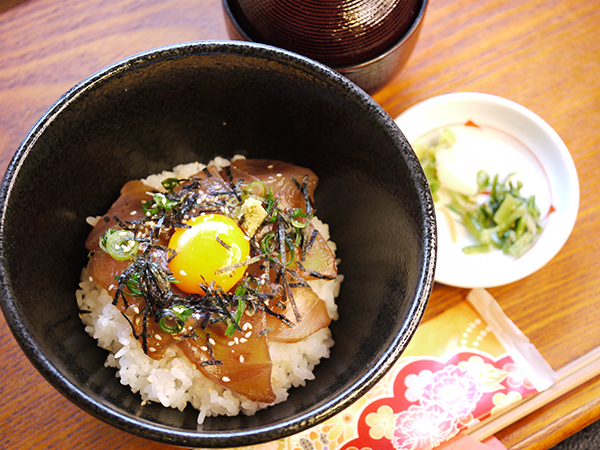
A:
(526, 356)
(461, 367)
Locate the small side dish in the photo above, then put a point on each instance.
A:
(498, 137)
(213, 285)
(492, 210)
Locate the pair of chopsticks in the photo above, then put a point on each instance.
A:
(569, 377)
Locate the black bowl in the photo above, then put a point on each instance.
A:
(192, 102)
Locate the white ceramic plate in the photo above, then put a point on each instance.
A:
(501, 137)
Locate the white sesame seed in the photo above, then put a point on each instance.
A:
(242, 340)
(247, 326)
(158, 337)
(230, 343)
(242, 359)
(182, 273)
(204, 348)
(248, 334)
(270, 166)
(151, 349)
(136, 309)
(236, 340)
(226, 379)
(133, 213)
(212, 341)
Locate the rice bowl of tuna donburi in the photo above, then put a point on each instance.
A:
(307, 295)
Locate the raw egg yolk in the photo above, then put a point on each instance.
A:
(211, 242)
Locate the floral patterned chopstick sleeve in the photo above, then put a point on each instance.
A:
(461, 367)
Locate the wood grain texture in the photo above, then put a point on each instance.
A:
(543, 54)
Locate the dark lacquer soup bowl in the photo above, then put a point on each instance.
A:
(368, 41)
(192, 102)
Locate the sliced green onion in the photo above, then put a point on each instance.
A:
(149, 208)
(232, 202)
(298, 213)
(238, 314)
(170, 183)
(173, 319)
(164, 202)
(182, 311)
(159, 202)
(299, 225)
(266, 247)
(120, 244)
(261, 185)
(133, 285)
(170, 322)
(270, 201)
(265, 244)
(292, 253)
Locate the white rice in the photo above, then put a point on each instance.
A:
(174, 381)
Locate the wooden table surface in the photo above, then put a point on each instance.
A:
(543, 54)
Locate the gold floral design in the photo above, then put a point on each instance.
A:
(502, 400)
(489, 376)
(381, 423)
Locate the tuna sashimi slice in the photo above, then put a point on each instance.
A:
(313, 317)
(246, 363)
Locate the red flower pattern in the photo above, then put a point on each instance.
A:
(438, 405)
(453, 390)
(423, 428)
